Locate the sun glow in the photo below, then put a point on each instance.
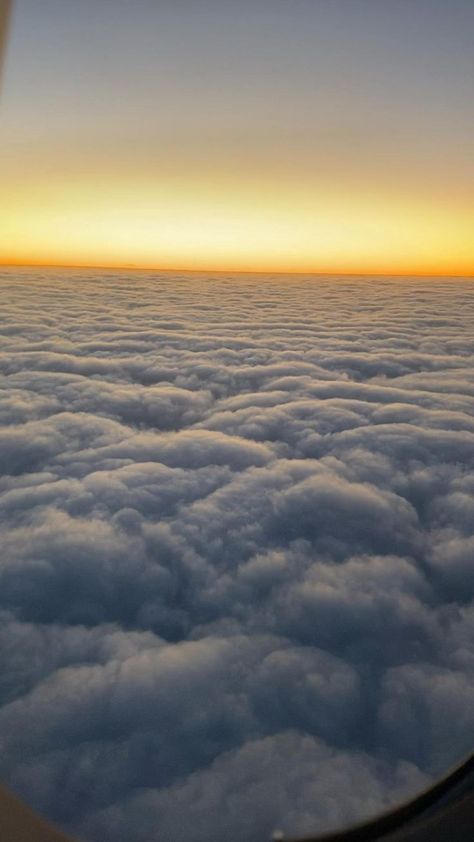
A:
(277, 227)
(244, 142)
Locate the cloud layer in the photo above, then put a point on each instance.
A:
(237, 528)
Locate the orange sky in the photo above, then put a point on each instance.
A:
(336, 142)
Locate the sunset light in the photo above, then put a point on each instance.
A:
(232, 141)
(165, 225)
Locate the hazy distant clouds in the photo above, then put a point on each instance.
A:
(237, 529)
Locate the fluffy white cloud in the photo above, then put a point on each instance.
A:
(236, 583)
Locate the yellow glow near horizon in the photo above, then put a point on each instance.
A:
(238, 137)
(232, 226)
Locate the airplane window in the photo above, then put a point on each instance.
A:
(236, 417)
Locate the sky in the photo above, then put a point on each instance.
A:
(267, 135)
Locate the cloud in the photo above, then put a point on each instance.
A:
(257, 774)
(236, 589)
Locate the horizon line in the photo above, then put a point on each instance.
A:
(319, 272)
